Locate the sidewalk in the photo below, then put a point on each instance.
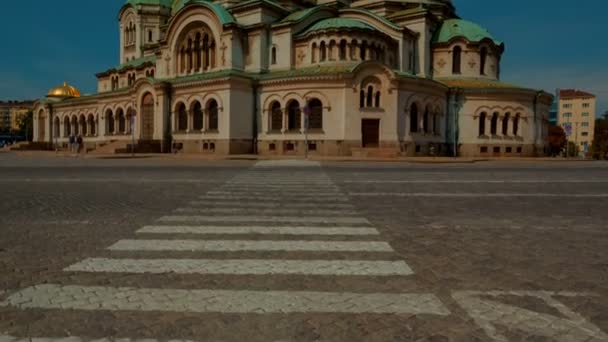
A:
(204, 157)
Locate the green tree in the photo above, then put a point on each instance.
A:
(599, 148)
(26, 125)
(557, 139)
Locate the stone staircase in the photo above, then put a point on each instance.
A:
(141, 147)
(111, 147)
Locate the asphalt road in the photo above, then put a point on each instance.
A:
(300, 251)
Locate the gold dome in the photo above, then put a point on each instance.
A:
(64, 91)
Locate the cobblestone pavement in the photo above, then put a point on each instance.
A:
(140, 250)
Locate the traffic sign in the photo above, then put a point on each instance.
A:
(568, 128)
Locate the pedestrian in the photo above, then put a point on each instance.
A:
(72, 141)
(78, 143)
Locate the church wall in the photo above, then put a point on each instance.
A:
(328, 141)
(282, 40)
(470, 62)
(235, 118)
(491, 145)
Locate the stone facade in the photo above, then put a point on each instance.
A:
(335, 78)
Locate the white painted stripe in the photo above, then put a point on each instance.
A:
(272, 186)
(261, 204)
(279, 190)
(249, 245)
(274, 198)
(295, 184)
(244, 267)
(473, 195)
(76, 297)
(258, 230)
(270, 219)
(8, 338)
(106, 180)
(473, 181)
(301, 193)
(259, 211)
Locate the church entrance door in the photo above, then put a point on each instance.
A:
(147, 117)
(370, 132)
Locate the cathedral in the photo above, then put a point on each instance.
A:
(319, 77)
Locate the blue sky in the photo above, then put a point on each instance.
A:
(549, 43)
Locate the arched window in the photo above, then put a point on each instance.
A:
(83, 124)
(122, 123)
(378, 99)
(110, 122)
(516, 124)
(353, 50)
(274, 55)
(67, 128)
(456, 58)
(362, 98)
(315, 120)
(370, 96)
(482, 123)
(212, 109)
(56, 127)
(198, 52)
(436, 128)
(206, 52)
(182, 118)
(195, 51)
(92, 126)
(505, 124)
(414, 118)
(276, 117)
(313, 53)
(75, 125)
(363, 50)
(323, 51)
(197, 116)
(425, 120)
(483, 55)
(494, 124)
(294, 116)
(343, 50)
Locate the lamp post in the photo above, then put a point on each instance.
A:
(132, 118)
(306, 122)
(455, 108)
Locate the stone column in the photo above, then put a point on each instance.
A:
(205, 120)
(285, 119)
(190, 121)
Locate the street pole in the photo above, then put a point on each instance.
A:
(132, 136)
(455, 130)
(306, 119)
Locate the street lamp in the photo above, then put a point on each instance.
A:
(455, 104)
(307, 111)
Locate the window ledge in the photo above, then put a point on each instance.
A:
(372, 109)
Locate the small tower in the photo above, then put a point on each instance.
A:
(140, 22)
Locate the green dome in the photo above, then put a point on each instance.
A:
(219, 10)
(164, 3)
(338, 24)
(458, 28)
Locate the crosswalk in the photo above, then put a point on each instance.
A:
(266, 209)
